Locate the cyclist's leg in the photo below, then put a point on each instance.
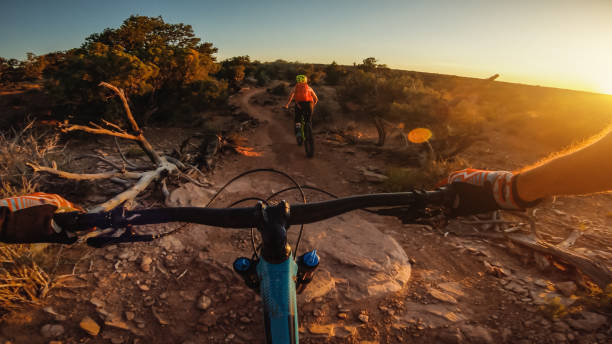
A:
(309, 108)
(298, 118)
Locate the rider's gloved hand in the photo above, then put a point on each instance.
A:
(29, 219)
(479, 191)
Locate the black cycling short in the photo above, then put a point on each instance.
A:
(303, 109)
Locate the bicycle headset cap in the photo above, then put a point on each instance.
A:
(301, 78)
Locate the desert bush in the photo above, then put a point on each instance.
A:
(153, 61)
(278, 90)
(334, 73)
(235, 70)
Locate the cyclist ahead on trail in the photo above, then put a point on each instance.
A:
(305, 100)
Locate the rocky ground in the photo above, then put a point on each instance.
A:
(380, 281)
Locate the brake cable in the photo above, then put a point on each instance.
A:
(270, 170)
(314, 188)
(255, 249)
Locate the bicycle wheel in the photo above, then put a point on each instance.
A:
(308, 140)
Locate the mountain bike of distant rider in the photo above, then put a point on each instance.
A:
(305, 100)
(303, 133)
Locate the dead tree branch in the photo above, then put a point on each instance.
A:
(597, 271)
(85, 176)
(146, 179)
(127, 162)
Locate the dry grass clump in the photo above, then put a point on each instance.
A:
(426, 176)
(22, 280)
(18, 147)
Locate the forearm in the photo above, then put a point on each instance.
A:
(290, 99)
(586, 170)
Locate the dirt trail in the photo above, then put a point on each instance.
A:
(275, 138)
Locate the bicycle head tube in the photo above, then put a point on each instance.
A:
(273, 228)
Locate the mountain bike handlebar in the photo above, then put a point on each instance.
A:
(247, 217)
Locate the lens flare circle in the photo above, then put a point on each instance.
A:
(419, 135)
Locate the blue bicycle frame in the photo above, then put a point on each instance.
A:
(277, 288)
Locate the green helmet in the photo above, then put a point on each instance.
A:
(301, 78)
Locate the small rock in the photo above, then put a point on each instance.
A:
(109, 256)
(495, 270)
(566, 288)
(412, 261)
(506, 333)
(342, 316)
(477, 334)
(56, 316)
(245, 320)
(541, 261)
(204, 302)
(145, 263)
(318, 329)
(559, 337)
(442, 296)
(148, 301)
(208, 319)
(230, 337)
(117, 323)
(541, 283)
(160, 318)
(129, 316)
(90, 326)
(172, 244)
(344, 332)
(124, 254)
(364, 318)
(450, 335)
(515, 287)
(144, 287)
(117, 340)
(163, 295)
(589, 321)
(97, 302)
(52, 330)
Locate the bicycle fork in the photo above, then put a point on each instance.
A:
(277, 276)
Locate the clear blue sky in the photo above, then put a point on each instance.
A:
(561, 43)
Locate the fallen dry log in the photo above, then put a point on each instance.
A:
(161, 169)
(596, 271)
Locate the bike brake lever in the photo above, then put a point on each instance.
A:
(127, 236)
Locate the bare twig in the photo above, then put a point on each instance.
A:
(126, 106)
(113, 125)
(85, 176)
(481, 222)
(570, 240)
(75, 127)
(121, 154)
(119, 181)
(112, 164)
(188, 178)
